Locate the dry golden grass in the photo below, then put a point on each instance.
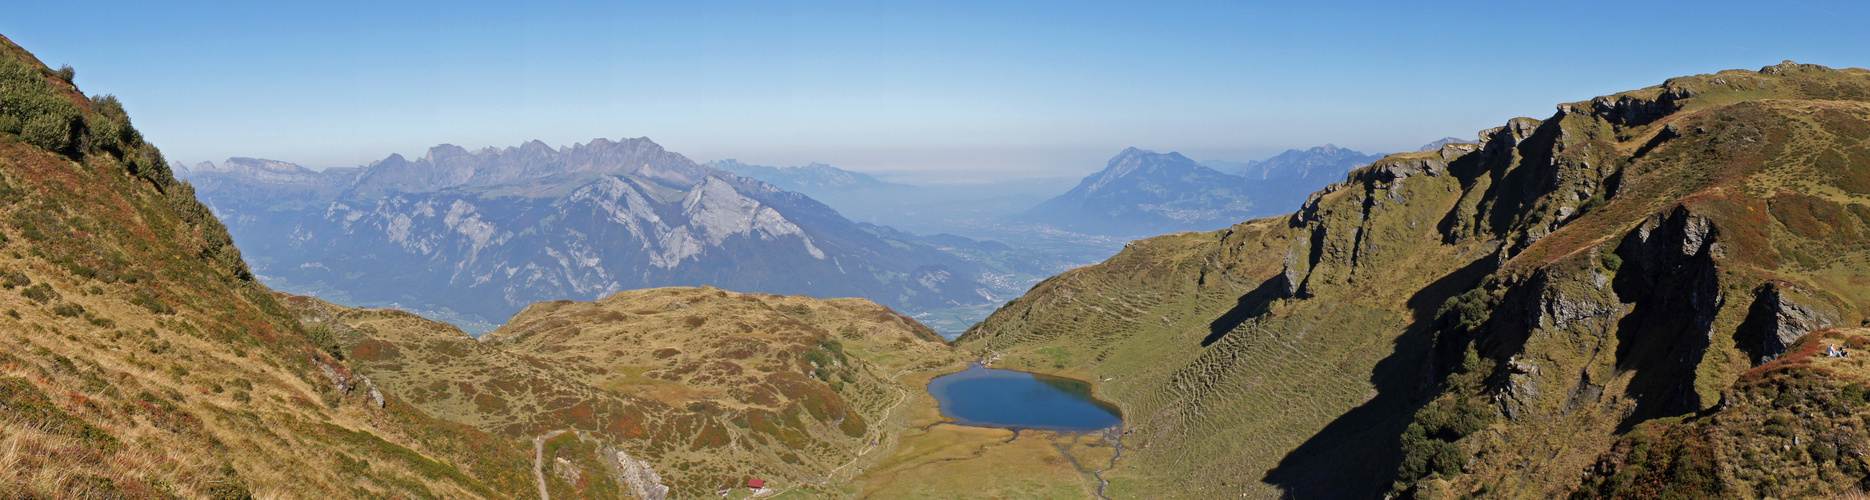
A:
(710, 386)
(139, 358)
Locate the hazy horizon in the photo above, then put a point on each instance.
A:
(936, 91)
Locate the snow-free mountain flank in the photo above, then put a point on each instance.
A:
(486, 232)
(1326, 163)
(1144, 193)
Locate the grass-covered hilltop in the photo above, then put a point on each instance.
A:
(673, 391)
(140, 359)
(1594, 294)
(1658, 293)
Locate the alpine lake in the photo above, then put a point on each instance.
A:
(990, 397)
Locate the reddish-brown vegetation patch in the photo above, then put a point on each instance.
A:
(1813, 217)
(375, 350)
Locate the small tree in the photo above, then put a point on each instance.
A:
(66, 73)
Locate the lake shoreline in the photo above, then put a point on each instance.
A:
(1019, 400)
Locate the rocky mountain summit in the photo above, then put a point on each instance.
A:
(1615, 301)
(484, 233)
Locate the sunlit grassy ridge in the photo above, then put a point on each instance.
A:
(1478, 318)
(710, 387)
(141, 360)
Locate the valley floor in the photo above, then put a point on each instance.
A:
(935, 459)
(924, 456)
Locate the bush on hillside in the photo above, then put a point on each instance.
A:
(40, 293)
(322, 337)
(68, 310)
(39, 115)
(1611, 261)
(43, 116)
(1467, 310)
(10, 279)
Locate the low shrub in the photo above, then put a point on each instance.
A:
(40, 293)
(68, 310)
(10, 279)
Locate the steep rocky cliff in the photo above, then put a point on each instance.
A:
(1479, 318)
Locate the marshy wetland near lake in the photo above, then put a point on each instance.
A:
(989, 397)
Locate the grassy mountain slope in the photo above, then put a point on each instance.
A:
(1483, 317)
(708, 387)
(1794, 427)
(141, 360)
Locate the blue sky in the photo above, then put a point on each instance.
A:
(924, 91)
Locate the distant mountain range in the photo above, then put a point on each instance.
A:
(816, 180)
(856, 195)
(1144, 193)
(484, 233)
(1327, 163)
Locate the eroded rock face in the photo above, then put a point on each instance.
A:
(637, 474)
(1790, 316)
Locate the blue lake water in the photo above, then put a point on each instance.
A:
(988, 397)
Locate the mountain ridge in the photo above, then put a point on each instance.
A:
(475, 225)
(699, 387)
(1487, 317)
(1326, 162)
(815, 179)
(1141, 193)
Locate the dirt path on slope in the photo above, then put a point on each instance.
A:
(538, 462)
